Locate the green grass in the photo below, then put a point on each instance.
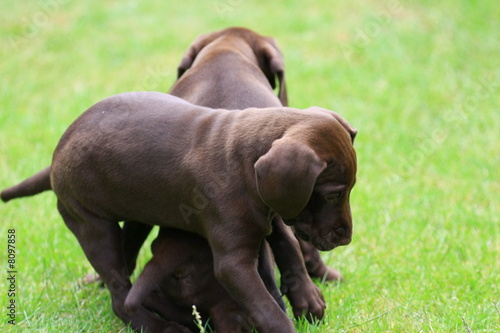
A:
(419, 79)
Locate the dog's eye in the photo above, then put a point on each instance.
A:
(332, 198)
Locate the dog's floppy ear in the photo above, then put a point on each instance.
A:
(187, 60)
(199, 43)
(285, 176)
(272, 64)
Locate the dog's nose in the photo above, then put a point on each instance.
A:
(340, 232)
(343, 236)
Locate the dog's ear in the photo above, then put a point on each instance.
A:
(187, 61)
(199, 43)
(272, 64)
(285, 176)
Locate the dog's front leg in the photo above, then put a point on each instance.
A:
(235, 267)
(304, 296)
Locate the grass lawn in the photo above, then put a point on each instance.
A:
(419, 79)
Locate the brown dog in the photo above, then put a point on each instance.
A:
(181, 269)
(236, 68)
(156, 159)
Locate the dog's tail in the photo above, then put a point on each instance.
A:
(37, 183)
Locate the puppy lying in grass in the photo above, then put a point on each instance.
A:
(181, 272)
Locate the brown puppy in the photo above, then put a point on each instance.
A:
(156, 159)
(181, 269)
(236, 68)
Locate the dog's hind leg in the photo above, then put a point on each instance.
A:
(102, 243)
(134, 235)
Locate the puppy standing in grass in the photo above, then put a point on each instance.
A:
(109, 168)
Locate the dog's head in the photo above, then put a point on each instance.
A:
(307, 176)
(269, 56)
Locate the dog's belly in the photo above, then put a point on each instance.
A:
(166, 207)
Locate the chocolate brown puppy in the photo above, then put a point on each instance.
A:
(182, 270)
(156, 159)
(236, 68)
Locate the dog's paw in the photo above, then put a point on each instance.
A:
(327, 275)
(92, 278)
(333, 275)
(307, 301)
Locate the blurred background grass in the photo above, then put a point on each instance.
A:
(419, 79)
